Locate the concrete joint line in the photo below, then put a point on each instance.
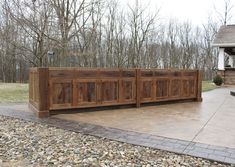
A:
(205, 124)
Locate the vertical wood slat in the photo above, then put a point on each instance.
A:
(40, 90)
(120, 87)
(74, 93)
(154, 94)
(138, 87)
(74, 89)
(43, 75)
(98, 91)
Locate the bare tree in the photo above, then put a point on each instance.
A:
(98, 33)
(140, 25)
(67, 12)
(208, 55)
(172, 33)
(225, 14)
(186, 44)
(33, 25)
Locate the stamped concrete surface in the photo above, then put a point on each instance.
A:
(210, 122)
(205, 129)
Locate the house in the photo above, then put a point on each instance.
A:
(225, 41)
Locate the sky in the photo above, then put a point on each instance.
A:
(194, 11)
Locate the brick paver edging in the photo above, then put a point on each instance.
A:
(216, 153)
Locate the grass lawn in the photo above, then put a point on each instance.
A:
(13, 92)
(208, 85)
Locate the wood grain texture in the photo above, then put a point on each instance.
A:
(61, 88)
(39, 91)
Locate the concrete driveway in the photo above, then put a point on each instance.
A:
(210, 122)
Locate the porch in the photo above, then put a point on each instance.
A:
(228, 74)
(225, 41)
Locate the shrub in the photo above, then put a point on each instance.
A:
(218, 80)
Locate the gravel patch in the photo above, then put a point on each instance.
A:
(30, 144)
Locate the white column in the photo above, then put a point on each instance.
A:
(221, 59)
(230, 60)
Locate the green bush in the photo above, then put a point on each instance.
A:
(218, 80)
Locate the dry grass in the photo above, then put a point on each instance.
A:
(208, 85)
(13, 92)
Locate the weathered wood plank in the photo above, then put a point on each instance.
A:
(61, 88)
(138, 87)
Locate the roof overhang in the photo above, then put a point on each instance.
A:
(223, 45)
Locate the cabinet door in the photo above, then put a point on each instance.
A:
(128, 90)
(162, 88)
(61, 93)
(175, 88)
(86, 92)
(146, 90)
(188, 88)
(109, 91)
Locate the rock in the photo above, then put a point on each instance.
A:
(77, 151)
(42, 145)
(61, 159)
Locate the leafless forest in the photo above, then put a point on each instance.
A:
(100, 33)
